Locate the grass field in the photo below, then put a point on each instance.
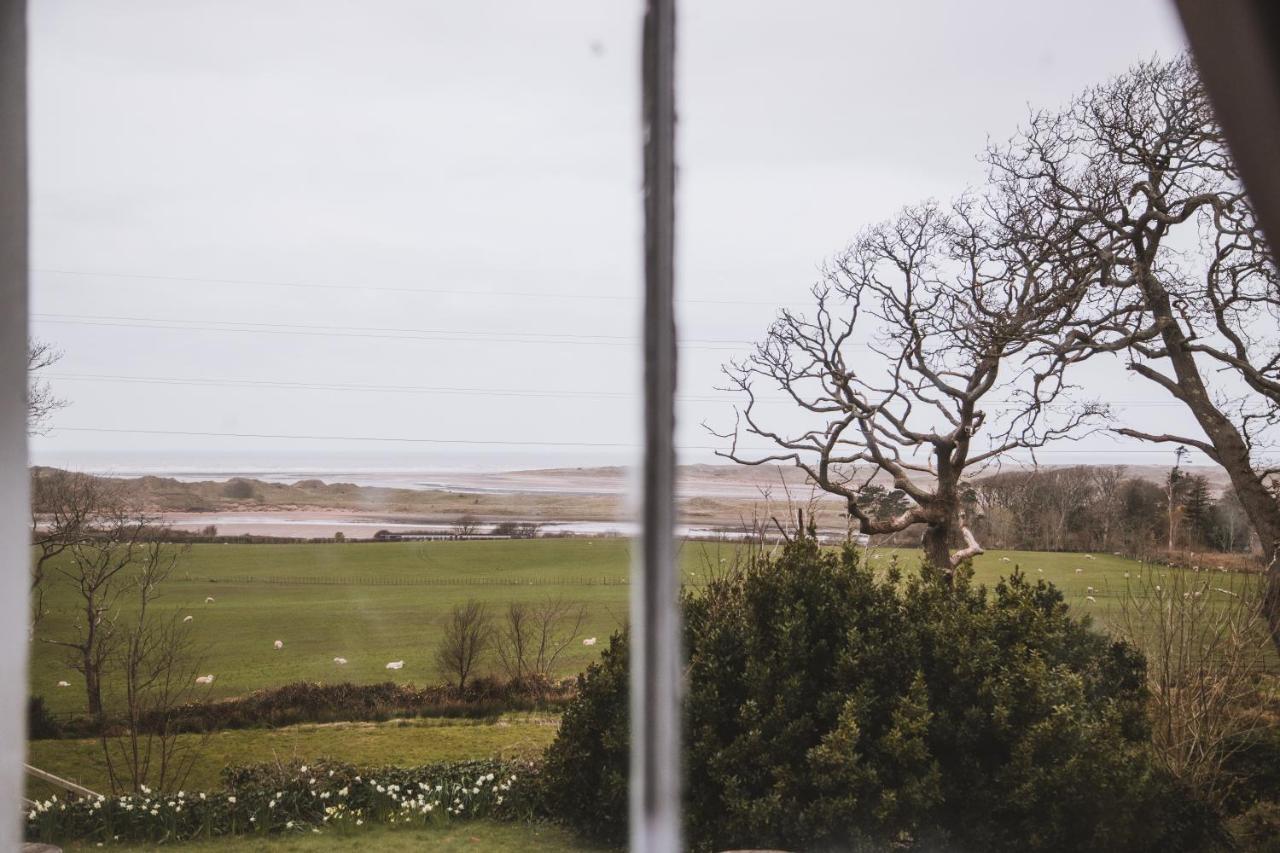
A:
(374, 603)
(483, 835)
(404, 743)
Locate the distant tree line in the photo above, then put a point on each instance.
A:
(1089, 508)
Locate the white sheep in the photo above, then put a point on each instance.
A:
(204, 679)
(1091, 598)
(589, 641)
(1079, 571)
(186, 618)
(208, 599)
(396, 664)
(64, 684)
(340, 661)
(279, 644)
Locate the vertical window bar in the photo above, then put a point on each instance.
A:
(655, 620)
(14, 507)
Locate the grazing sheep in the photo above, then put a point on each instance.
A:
(204, 679)
(396, 664)
(279, 644)
(1091, 598)
(1088, 589)
(208, 599)
(589, 641)
(340, 661)
(186, 618)
(1005, 560)
(64, 684)
(1089, 557)
(1079, 571)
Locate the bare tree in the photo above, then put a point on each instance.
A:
(513, 641)
(155, 663)
(1183, 287)
(1107, 480)
(532, 638)
(1205, 642)
(41, 401)
(466, 526)
(115, 552)
(467, 639)
(918, 336)
(65, 507)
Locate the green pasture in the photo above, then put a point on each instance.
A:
(483, 835)
(376, 603)
(403, 743)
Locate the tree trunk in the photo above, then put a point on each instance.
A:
(93, 687)
(1229, 445)
(937, 546)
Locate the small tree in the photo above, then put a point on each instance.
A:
(113, 552)
(533, 637)
(155, 663)
(466, 526)
(467, 639)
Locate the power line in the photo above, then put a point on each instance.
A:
(727, 397)
(501, 442)
(355, 331)
(314, 327)
(441, 291)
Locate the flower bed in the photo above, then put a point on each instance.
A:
(319, 797)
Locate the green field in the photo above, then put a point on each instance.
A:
(404, 743)
(375, 603)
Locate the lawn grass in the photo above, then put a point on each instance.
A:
(341, 600)
(403, 743)
(482, 835)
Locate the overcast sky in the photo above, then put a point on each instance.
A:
(465, 177)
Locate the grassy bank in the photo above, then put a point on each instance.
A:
(403, 743)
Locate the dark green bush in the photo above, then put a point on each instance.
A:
(830, 709)
(584, 772)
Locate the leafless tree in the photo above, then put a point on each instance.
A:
(466, 526)
(1206, 644)
(154, 663)
(911, 367)
(468, 637)
(1183, 287)
(533, 637)
(65, 508)
(1107, 480)
(115, 552)
(41, 401)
